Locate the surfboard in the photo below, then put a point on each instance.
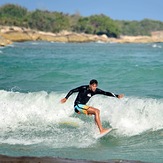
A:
(69, 123)
(104, 134)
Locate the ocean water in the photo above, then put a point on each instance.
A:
(35, 76)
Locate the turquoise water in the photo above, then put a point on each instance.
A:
(34, 76)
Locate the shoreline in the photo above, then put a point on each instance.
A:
(8, 35)
(26, 159)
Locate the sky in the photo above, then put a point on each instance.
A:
(115, 9)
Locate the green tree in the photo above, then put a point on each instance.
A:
(48, 21)
(11, 10)
(83, 26)
(104, 25)
(97, 24)
(11, 14)
(61, 22)
(39, 20)
(144, 27)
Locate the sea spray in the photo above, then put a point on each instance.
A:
(132, 115)
(30, 118)
(20, 107)
(42, 112)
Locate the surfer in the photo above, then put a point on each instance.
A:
(85, 92)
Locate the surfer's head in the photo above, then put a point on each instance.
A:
(93, 84)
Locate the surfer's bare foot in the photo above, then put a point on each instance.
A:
(105, 130)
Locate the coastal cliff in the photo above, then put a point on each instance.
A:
(18, 34)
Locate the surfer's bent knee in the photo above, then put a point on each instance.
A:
(95, 110)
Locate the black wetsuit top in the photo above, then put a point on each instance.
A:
(85, 94)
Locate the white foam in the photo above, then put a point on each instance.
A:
(132, 116)
(29, 118)
(156, 46)
(20, 107)
(26, 118)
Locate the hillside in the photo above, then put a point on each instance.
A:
(19, 24)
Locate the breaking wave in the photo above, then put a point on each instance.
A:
(39, 117)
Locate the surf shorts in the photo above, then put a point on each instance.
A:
(80, 108)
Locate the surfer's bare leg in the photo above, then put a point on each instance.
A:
(96, 113)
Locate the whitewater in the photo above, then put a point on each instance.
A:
(130, 116)
(34, 77)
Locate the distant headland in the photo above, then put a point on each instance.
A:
(10, 34)
(17, 24)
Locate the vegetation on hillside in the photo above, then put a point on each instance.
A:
(15, 15)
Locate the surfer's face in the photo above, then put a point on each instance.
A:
(93, 87)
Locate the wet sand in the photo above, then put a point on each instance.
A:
(24, 159)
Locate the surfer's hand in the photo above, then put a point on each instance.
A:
(121, 95)
(63, 100)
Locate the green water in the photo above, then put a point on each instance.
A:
(34, 76)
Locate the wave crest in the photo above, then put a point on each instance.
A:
(40, 117)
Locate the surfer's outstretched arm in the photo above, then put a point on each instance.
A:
(70, 93)
(99, 91)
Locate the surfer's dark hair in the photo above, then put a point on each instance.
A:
(93, 81)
